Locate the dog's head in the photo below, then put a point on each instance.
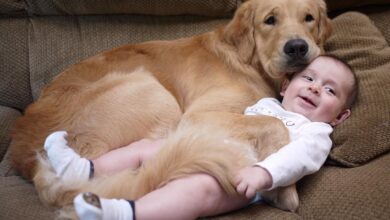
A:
(283, 36)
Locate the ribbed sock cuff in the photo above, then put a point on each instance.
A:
(132, 204)
(91, 169)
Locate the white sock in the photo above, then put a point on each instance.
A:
(90, 207)
(65, 161)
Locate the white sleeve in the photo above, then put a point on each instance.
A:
(301, 157)
(252, 110)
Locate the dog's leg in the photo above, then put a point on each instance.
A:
(123, 108)
(285, 198)
(87, 144)
(120, 109)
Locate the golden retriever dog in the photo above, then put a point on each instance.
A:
(192, 91)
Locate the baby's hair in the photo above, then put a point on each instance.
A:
(355, 87)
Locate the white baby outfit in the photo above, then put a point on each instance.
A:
(307, 151)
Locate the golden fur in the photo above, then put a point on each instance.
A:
(192, 90)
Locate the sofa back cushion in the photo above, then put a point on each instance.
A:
(15, 88)
(152, 7)
(348, 4)
(366, 134)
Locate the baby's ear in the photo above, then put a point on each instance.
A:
(284, 86)
(341, 117)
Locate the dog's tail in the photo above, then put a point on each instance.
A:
(52, 190)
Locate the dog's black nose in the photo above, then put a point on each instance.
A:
(296, 48)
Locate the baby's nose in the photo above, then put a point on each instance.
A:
(314, 88)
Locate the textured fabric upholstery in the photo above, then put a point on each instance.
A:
(152, 7)
(36, 46)
(366, 133)
(347, 4)
(347, 193)
(7, 118)
(381, 20)
(15, 78)
(88, 7)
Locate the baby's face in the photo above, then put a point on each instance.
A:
(320, 91)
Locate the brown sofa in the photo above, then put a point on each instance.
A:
(40, 38)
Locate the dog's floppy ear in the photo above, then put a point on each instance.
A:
(240, 31)
(324, 25)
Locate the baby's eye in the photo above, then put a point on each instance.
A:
(330, 90)
(308, 78)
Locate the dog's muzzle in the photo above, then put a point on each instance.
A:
(296, 51)
(296, 48)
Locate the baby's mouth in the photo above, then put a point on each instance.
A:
(308, 101)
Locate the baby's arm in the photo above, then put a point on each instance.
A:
(301, 157)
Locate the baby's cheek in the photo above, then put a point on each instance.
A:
(329, 111)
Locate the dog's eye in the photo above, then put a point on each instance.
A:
(271, 20)
(309, 18)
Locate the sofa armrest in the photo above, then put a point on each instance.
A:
(7, 118)
(360, 193)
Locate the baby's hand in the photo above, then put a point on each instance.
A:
(250, 180)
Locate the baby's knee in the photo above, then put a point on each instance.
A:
(212, 198)
(206, 183)
(148, 148)
(208, 189)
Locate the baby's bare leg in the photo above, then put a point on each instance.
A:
(190, 197)
(69, 165)
(131, 156)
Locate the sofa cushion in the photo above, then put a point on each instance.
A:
(19, 200)
(348, 4)
(12, 7)
(7, 118)
(260, 211)
(336, 193)
(381, 20)
(366, 134)
(14, 72)
(153, 7)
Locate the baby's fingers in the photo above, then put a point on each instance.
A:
(250, 192)
(241, 188)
